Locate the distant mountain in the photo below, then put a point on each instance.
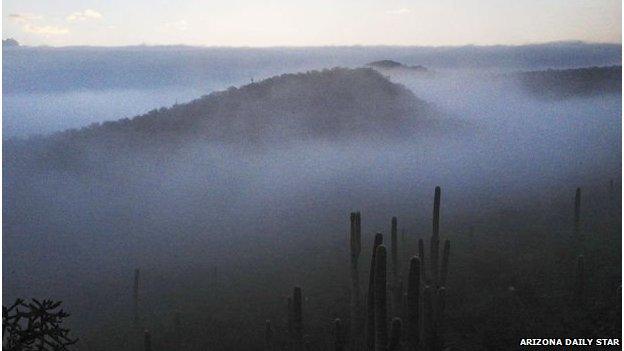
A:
(389, 64)
(334, 105)
(35, 69)
(7, 43)
(569, 83)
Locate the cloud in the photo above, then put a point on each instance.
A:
(26, 21)
(44, 30)
(24, 17)
(181, 25)
(402, 11)
(84, 15)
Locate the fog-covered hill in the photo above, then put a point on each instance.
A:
(569, 83)
(330, 105)
(393, 65)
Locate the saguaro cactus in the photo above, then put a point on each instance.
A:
(399, 303)
(612, 205)
(135, 298)
(370, 302)
(356, 300)
(339, 343)
(435, 236)
(297, 316)
(381, 313)
(445, 262)
(395, 335)
(394, 250)
(439, 319)
(428, 320)
(395, 290)
(577, 214)
(147, 340)
(421, 255)
(413, 303)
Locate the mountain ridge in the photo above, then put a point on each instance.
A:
(335, 105)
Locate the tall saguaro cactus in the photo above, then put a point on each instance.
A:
(435, 236)
(135, 298)
(394, 250)
(429, 337)
(612, 205)
(445, 262)
(356, 300)
(421, 255)
(370, 302)
(396, 290)
(577, 215)
(413, 303)
(439, 319)
(381, 313)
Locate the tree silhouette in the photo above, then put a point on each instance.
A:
(35, 326)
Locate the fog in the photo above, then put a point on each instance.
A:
(50, 89)
(261, 212)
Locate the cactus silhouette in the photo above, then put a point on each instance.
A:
(399, 297)
(339, 344)
(577, 215)
(429, 319)
(395, 335)
(395, 291)
(356, 299)
(147, 340)
(439, 319)
(394, 250)
(445, 262)
(297, 313)
(370, 302)
(135, 298)
(413, 303)
(612, 205)
(435, 236)
(421, 255)
(381, 313)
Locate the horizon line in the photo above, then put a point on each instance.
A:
(560, 42)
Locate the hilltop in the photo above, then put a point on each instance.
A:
(10, 42)
(331, 105)
(394, 65)
(576, 82)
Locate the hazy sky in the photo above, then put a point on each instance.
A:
(317, 22)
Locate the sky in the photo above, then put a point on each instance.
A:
(310, 23)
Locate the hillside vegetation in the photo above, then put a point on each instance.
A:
(569, 83)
